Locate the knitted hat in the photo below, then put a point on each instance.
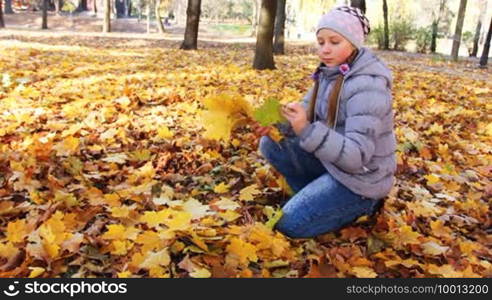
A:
(347, 21)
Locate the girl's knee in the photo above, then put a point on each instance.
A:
(290, 227)
(267, 147)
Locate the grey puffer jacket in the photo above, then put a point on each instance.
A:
(360, 151)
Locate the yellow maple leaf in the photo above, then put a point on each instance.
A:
(222, 113)
(179, 220)
(150, 240)
(432, 179)
(124, 274)
(120, 212)
(121, 247)
(49, 244)
(145, 173)
(164, 133)
(153, 218)
(112, 199)
(218, 125)
(438, 228)
(17, 230)
(200, 273)
(406, 235)
(120, 232)
(248, 193)
(488, 129)
(446, 271)
(36, 271)
(68, 146)
(115, 232)
(229, 215)
(406, 262)
(8, 250)
(364, 272)
(243, 251)
(221, 188)
(68, 198)
(155, 258)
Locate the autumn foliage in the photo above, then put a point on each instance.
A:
(106, 169)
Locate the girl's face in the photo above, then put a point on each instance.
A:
(333, 48)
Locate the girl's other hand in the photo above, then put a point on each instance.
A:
(261, 130)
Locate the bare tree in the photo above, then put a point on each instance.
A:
(435, 24)
(149, 3)
(386, 26)
(264, 40)
(361, 4)
(192, 21)
(279, 33)
(483, 9)
(2, 23)
(44, 24)
(59, 5)
(107, 16)
(256, 17)
(486, 48)
(158, 16)
(82, 6)
(459, 29)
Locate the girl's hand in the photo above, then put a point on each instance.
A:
(261, 130)
(296, 115)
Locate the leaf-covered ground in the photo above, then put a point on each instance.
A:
(104, 171)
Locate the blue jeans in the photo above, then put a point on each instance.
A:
(321, 203)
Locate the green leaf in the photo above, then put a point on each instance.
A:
(269, 113)
(273, 216)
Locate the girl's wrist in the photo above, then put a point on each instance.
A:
(300, 128)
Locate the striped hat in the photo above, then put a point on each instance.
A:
(347, 21)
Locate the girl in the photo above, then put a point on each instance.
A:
(341, 160)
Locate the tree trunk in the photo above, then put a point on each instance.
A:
(361, 4)
(486, 48)
(264, 44)
(58, 5)
(2, 23)
(128, 12)
(119, 6)
(8, 7)
(386, 26)
(476, 38)
(107, 16)
(279, 40)
(149, 3)
(158, 16)
(256, 20)
(44, 24)
(139, 9)
(435, 26)
(483, 9)
(192, 21)
(82, 6)
(459, 29)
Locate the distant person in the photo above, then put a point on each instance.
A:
(340, 156)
